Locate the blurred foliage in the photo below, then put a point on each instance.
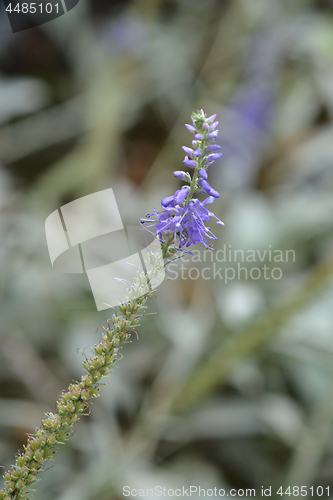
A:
(230, 384)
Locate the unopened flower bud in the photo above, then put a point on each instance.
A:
(188, 151)
(202, 172)
(52, 439)
(75, 394)
(20, 460)
(62, 435)
(211, 118)
(34, 444)
(70, 406)
(190, 128)
(20, 484)
(48, 452)
(38, 455)
(10, 486)
(189, 163)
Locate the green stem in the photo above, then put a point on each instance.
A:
(57, 427)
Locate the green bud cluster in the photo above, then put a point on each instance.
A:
(57, 427)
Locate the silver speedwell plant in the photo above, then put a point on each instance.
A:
(180, 224)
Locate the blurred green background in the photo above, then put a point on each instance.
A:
(230, 385)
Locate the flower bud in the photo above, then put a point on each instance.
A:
(205, 186)
(20, 484)
(7, 476)
(52, 439)
(67, 421)
(87, 379)
(62, 435)
(34, 465)
(38, 455)
(75, 393)
(213, 135)
(211, 118)
(180, 174)
(188, 151)
(202, 172)
(189, 163)
(213, 126)
(29, 454)
(20, 460)
(85, 394)
(10, 486)
(34, 444)
(80, 406)
(31, 477)
(190, 128)
(22, 495)
(48, 452)
(70, 406)
(94, 391)
(213, 147)
(42, 441)
(214, 156)
(216, 195)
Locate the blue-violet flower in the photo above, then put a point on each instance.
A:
(183, 217)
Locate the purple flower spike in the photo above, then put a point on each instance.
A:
(190, 128)
(202, 172)
(187, 150)
(183, 217)
(205, 186)
(213, 147)
(214, 193)
(212, 135)
(214, 156)
(189, 163)
(180, 175)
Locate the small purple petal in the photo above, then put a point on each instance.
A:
(213, 126)
(213, 147)
(189, 163)
(213, 135)
(214, 156)
(180, 195)
(187, 150)
(165, 202)
(198, 152)
(214, 193)
(190, 128)
(203, 173)
(205, 186)
(211, 118)
(199, 137)
(208, 200)
(205, 126)
(180, 174)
